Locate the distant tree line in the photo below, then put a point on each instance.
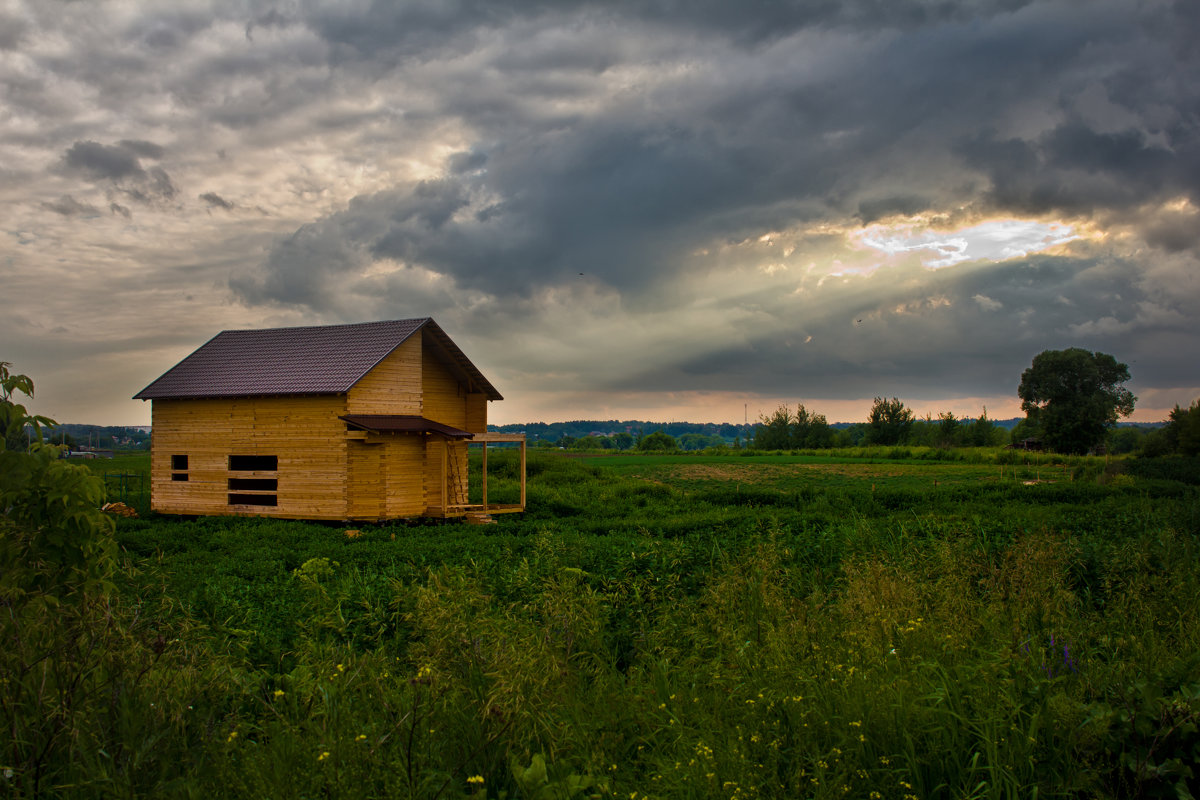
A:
(629, 434)
(100, 437)
(890, 422)
(1072, 398)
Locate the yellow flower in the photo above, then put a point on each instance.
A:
(232, 736)
(362, 737)
(324, 755)
(475, 779)
(279, 693)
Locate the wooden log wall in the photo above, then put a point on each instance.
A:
(303, 433)
(393, 386)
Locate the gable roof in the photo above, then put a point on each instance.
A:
(322, 359)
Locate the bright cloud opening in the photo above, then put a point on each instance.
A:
(996, 240)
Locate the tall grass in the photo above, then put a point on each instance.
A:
(662, 636)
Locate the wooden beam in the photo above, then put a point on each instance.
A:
(484, 478)
(522, 473)
(491, 436)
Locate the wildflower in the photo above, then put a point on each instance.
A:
(232, 736)
(362, 737)
(475, 779)
(341, 667)
(324, 755)
(279, 693)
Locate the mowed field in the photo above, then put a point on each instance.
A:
(857, 624)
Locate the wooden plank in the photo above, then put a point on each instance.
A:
(492, 436)
(393, 386)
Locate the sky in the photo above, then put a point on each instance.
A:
(618, 210)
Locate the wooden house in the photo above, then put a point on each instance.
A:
(365, 422)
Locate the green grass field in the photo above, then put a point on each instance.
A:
(867, 625)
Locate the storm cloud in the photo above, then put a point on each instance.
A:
(821, 200)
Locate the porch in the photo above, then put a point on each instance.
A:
(454, 489)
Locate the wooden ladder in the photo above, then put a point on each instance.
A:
(455, 491)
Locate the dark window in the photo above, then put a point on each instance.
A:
(253, 484)
(252, 499)
(254, 464)
(179, 476)
(179, 462)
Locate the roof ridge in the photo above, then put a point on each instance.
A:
(421, 320)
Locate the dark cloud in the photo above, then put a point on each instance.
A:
(214, 200)
(881, 126)
(70, 207)
(271, 19)
(1076, 170)
(142, 148)
(99, 162)
(12, 31)
(117, 208)
(415, 28)
(119, 166)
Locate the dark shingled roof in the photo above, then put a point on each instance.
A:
(403, 423)
(325, 359)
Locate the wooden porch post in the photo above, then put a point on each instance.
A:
(522, 474)
(484, 478)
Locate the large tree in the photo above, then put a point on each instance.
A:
(889, 422)
(1074, 397)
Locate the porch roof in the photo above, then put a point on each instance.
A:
(403, 423)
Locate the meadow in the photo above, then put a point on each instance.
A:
(906, 623)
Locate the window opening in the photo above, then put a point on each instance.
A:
(253, 463)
